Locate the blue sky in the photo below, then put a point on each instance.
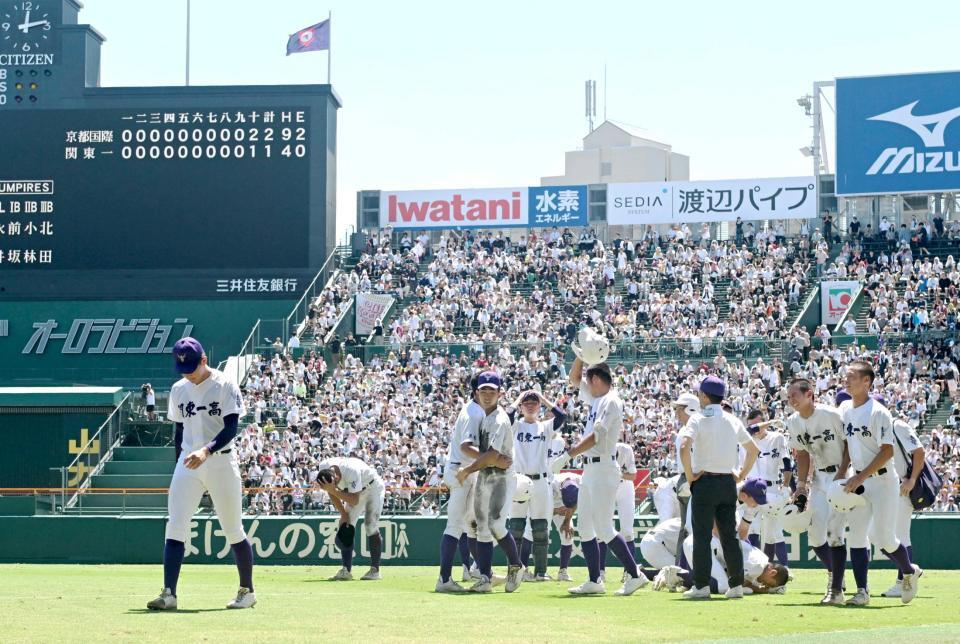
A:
(450, 94)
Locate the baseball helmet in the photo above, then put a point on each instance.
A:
(524, 488)
(591, 347)
(795, 517)
(841, 500)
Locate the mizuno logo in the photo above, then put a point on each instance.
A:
(920, 125)
(931, 129)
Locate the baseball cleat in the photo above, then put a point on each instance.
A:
(667, 579)
(588, 588)
(497, 580)
(911, 584)
(834, 598)
(342, 575)
(747, 590)
(895, 590)
(515, 577)
(529, 576)
(372, 575)
(483, 585)
(697, 593)
(166, 601)
(449, 586)
(542, 577)
(734, 593)
(474, 572)
(862, 598)
(467, 576)
(632, 585)
(244, 599)
(563, 575)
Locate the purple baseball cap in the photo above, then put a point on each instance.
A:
(187, 353)
(756, 489)
(713, 386)
(879, 398)
(842, 395)
(489, 380)
(569, 493)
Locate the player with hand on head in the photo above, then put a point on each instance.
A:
(817, 436)
(869, 430)
(908, 456)
(566, 493)
(205, 407)
(601, 476)
(533, 437)
(354, 488)
(494, 487)
(687, 408)
(462, 451)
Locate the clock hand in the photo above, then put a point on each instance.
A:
(25, 27)
(35, 24)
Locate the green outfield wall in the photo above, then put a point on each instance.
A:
(310, 540)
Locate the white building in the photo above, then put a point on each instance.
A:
(619, 153)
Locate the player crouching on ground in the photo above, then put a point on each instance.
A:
(354, 488)
(760, 576)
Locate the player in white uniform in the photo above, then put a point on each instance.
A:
(566, 494)
(205, 408)
(601, 476)
(759, 574)
(461, 452)
(533, 437)
(495, 485)
(659, 545)
(907, 446)
(774, 466)
(817, 435)
(687, 407)
(869, 429)
(626, 501)
(354, 488)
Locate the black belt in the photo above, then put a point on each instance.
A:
(224, 451)
(714, 475)
(829, 470)
(452, 463)
(597, 459)
(537, 477)
(879, 472)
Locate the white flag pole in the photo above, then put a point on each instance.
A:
(329, 42)
(188, 45)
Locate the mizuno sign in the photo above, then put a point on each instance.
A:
(894, 134)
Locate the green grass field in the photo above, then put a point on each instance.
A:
(94, 603)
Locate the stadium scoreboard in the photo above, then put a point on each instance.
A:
(184, 191)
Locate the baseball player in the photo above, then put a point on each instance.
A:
(869, 430)
(817, 436)
(601, 476)
(908, 455)
(774, 466)
(660, 544)
(665, 499)
(533, 437)
(354, 488)
(566, 493)
(759, 574)
(687, 408)
(205, 408)
(461, 453)
(494, 487)
(626, 501)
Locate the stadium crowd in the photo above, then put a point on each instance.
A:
(515, 305)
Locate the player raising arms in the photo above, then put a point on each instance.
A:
(601, 476)
(354, 488)
(205, 407)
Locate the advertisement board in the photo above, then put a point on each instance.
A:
(897, 134)
(835, 299)
(674, 202)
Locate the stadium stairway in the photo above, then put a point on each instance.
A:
(130, 468)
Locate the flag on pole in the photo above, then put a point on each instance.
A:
(315, 38)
